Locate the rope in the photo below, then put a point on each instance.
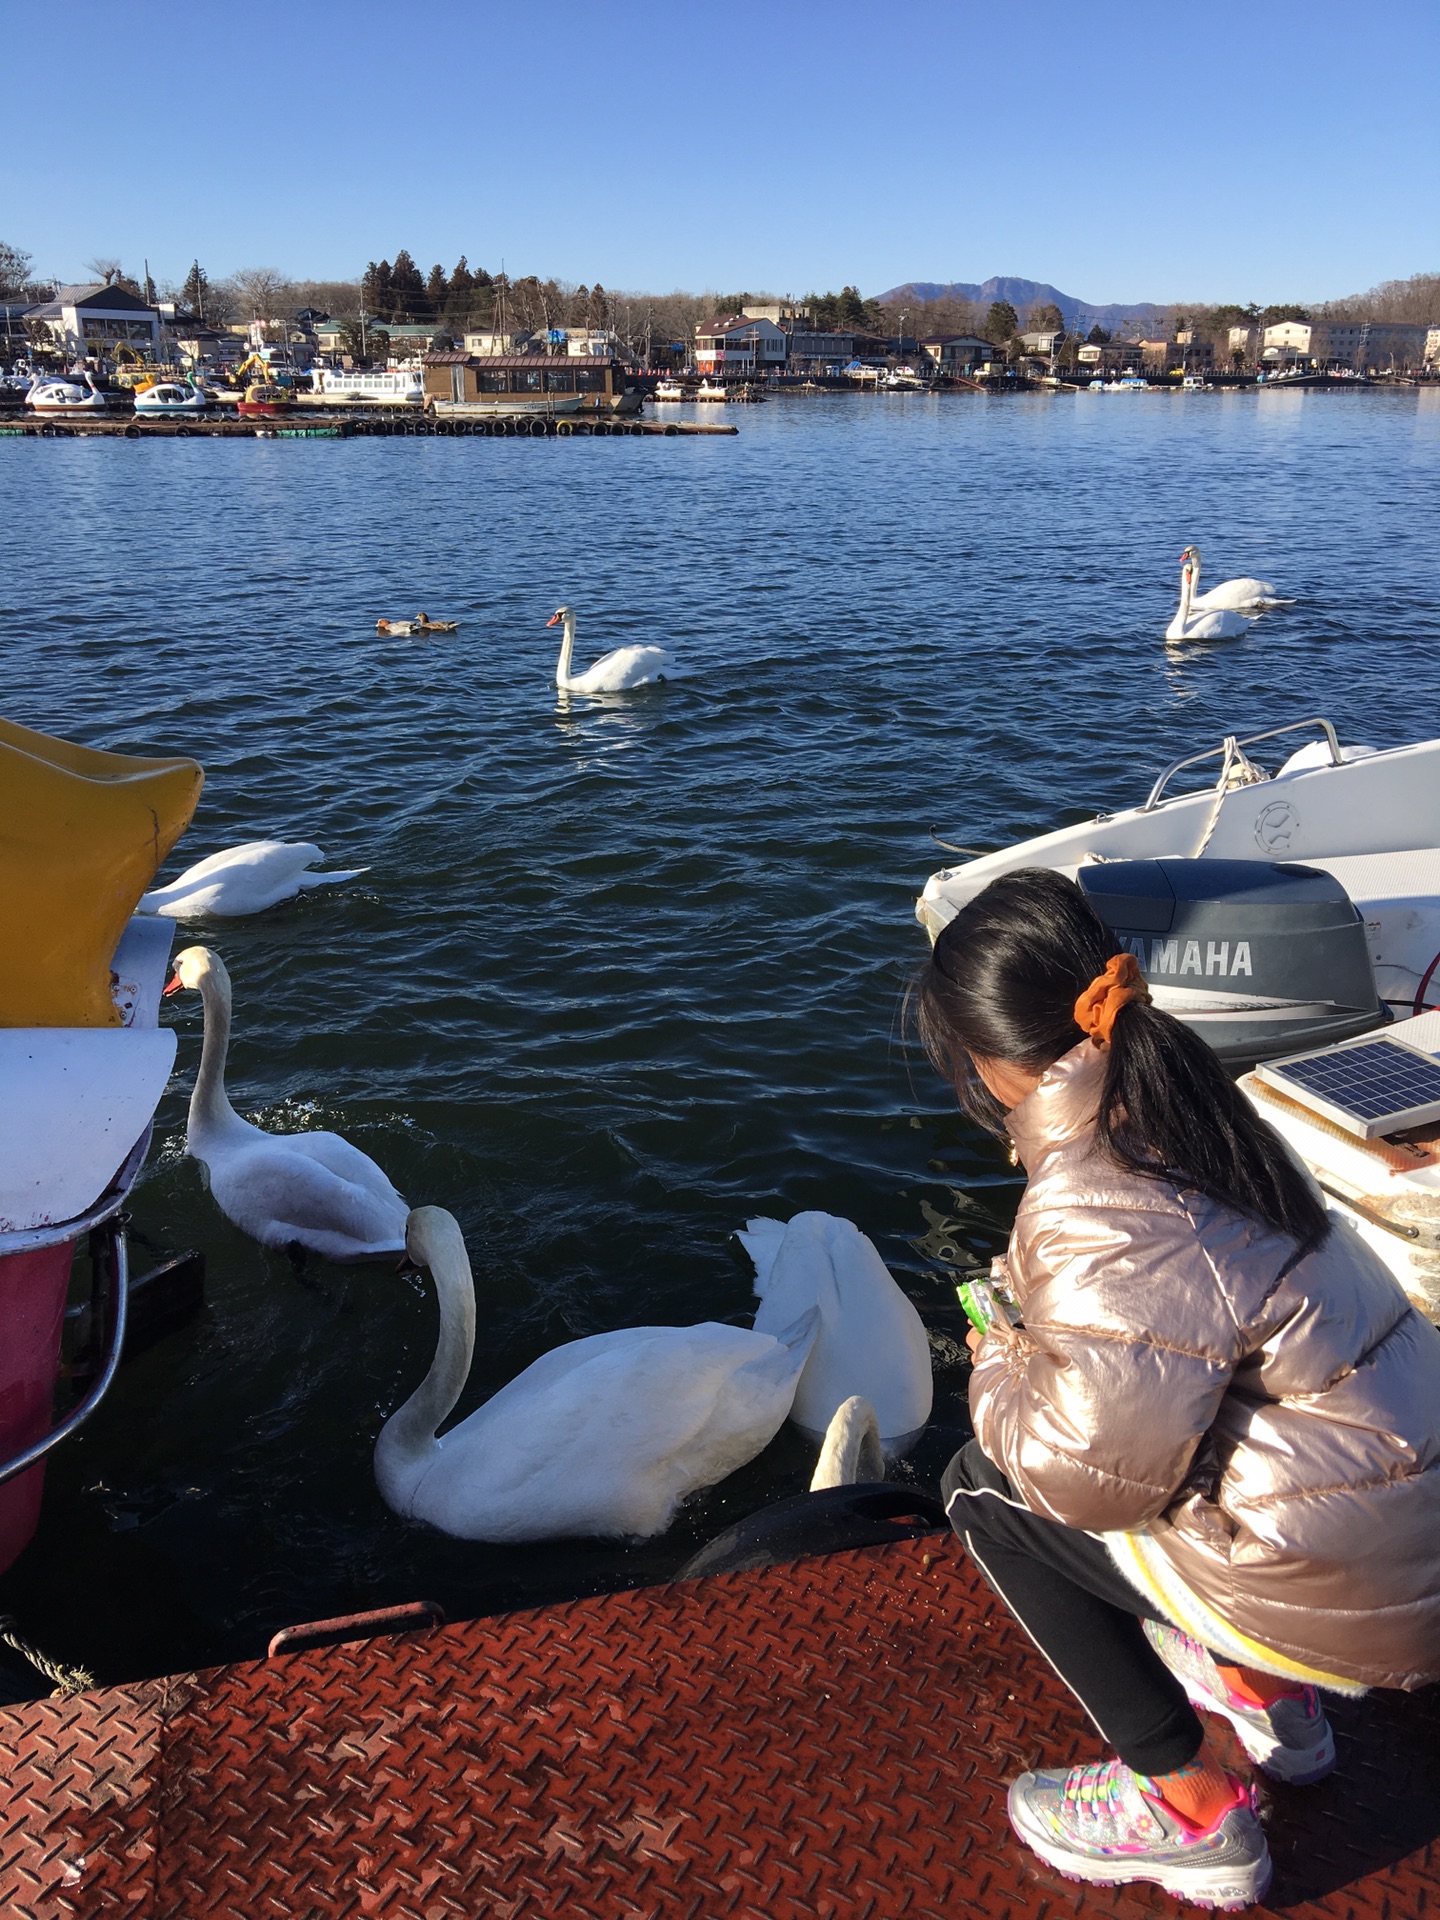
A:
(67, 1679)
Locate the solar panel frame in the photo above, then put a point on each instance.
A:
(1374, 1086)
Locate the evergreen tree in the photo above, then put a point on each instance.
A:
(196, 289)
(1097, 336)
(437, 288)
(462, 281)
(407, 289)
(375, 294)
(1001, 323)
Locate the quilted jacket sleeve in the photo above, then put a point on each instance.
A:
(1093, 1410)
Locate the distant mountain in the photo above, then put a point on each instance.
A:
(1022, 294)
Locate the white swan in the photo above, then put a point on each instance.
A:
(1224, 624)
(1237, 595)
(615, 672)
(851, 1450)
(871, 1340)
(314, 1188)
(241, 880)
(601, 1436)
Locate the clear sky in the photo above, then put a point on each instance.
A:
(1121, 153)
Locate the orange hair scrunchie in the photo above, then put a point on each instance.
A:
(1120, 983)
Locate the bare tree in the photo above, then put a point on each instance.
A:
(261, 293)
(105, 268)
(14, 271)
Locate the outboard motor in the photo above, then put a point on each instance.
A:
(1260, 958)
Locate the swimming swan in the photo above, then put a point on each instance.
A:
(851, 1449)
(871, 1340)
(314, 1188)
(615, 672)
(241, 880)
(1224, 624)
(1234, 594)
(601, 1436)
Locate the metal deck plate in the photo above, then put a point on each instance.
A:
(827, 1740)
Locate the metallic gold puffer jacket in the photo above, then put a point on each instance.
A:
(1256, 1437)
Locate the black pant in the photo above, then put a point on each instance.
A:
(1079, 1609)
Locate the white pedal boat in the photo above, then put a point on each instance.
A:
(168, 398)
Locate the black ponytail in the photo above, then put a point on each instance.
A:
(1001, 984)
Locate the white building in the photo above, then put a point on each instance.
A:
(1432, 346)
(95, 320)
(485, 345)
(1288, 340)
(738, 344)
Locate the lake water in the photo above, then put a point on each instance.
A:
(625, 970)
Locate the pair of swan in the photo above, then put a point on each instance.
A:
(313, 1189)
(422, 623)
(244, 879)
(608, 1434)
(616, 672)
(1220, 613)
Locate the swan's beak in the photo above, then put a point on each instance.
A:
(175, 986)
(553, 618)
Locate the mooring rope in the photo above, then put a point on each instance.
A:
(67, 1679)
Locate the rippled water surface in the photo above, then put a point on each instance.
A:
(624, 970)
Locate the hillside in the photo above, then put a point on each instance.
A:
(1023, 294)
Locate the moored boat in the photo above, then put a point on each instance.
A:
(711, 390)
(375, 387)
(669, 390)
(162, 398)
(469, 386)
(264, 399)
(74, 395)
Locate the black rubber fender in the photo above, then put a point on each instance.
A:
(835, 1520)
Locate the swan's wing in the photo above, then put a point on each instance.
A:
(1234, 595)
(800, 1276)
(254, 853)
(331, 879)
(278, 1195)
(626, 667)
(877, 1347)
(605, 1436)
(240, 880)
(334, 1152)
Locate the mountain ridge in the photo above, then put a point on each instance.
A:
(1081, 314)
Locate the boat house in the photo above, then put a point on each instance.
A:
(94, 320)
(572, 383)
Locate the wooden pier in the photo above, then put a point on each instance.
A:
(348, 426)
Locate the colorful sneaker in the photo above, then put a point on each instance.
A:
(1290, 1739)
(1100, 1825)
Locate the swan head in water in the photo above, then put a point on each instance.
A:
(194, 966)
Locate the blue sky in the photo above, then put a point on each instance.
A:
(1217, 152)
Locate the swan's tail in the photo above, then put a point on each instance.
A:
(331, 879)
(761, 1240)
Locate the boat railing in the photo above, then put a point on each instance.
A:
(111, 1234)
(1228, 747)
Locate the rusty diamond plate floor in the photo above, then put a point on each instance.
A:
(828, 1739)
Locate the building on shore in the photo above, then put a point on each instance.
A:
(93, 321)
(1364, 346)
(737, 344)
(956, 352)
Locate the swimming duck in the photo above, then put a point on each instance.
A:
(244, 879)
(314, 1189)
(601, 1436)
(871, 1341)
(427, 625)
(397, 629)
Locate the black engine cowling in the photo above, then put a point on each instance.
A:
(1260, 958)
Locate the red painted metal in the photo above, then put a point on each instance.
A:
(356, 1626)
(32, 1311)
(827, 1740)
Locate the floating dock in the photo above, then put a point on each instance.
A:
(325, 426)
(825, 1740)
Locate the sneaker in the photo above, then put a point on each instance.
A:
(1098, 1824)
(1290, 1739)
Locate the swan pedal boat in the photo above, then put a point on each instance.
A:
(167, 397)
(1367, 819)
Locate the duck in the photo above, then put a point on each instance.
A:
(397, 629)
(244, 879)
(311, 1190)
(1236, 595)
(871, 1341)
(1222, 624)
(601, 1437)
(615, 672)
(851, 1449)
(425, 624)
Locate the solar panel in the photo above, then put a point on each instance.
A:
(1374, 1087)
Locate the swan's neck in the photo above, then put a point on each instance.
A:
(407, 1440)
(1187, 592)
(210, 1110)
(567, 648)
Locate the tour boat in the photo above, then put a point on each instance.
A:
(526, 386)
(1280, 913)
(382, 387)
(166, 397)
